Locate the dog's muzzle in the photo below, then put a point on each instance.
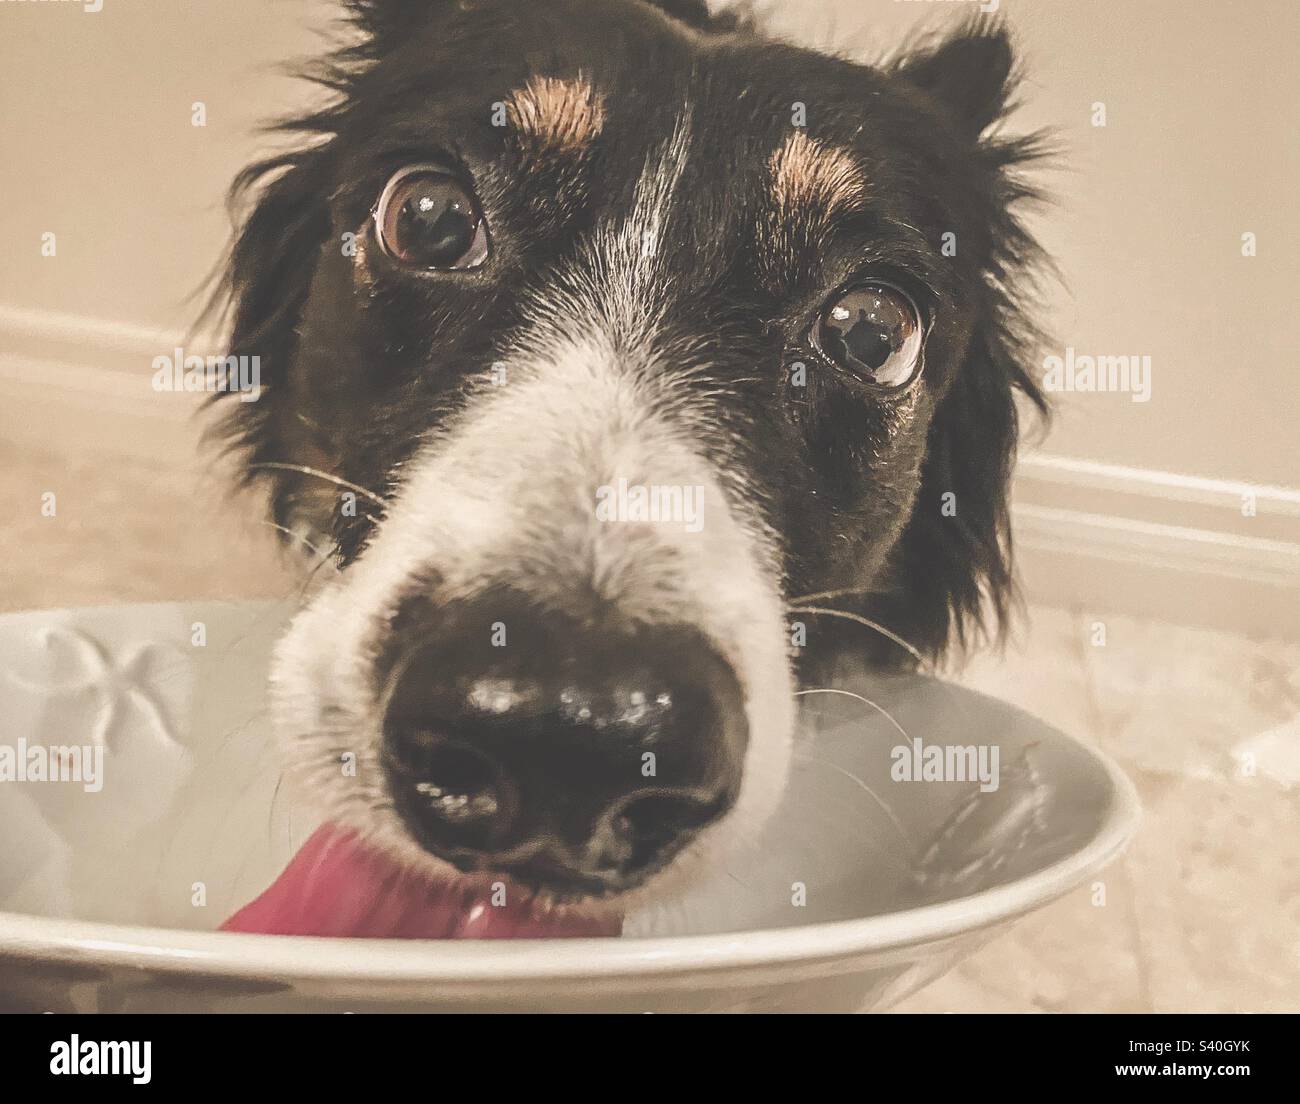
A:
(565, 754)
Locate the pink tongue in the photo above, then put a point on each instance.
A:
(335, 886)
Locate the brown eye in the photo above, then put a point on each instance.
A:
(427, 219)
(873, 332)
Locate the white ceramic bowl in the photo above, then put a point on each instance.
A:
(110, 896)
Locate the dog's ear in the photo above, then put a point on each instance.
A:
(264, 286)
(953, 566)
(969, 74)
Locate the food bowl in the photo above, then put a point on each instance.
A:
(867, 884)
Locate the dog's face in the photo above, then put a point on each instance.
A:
(608, 331)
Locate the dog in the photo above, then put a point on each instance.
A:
(601, 341)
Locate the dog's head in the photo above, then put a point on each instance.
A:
(595, 333)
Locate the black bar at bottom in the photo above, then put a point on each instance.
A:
(338, 1054)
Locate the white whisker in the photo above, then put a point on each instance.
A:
(304, 470)
(841, 593)
(889, 813)
(868, 623)
(321, 556)
(856, 697)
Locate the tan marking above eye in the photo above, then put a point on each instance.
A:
(552, 115)
(814, 180)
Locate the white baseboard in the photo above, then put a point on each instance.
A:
(1089, 535)
(98, 342)
(63, 407)
(1187, 549)
(69, 381)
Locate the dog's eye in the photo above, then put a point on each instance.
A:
(426, 218)
(873, 332)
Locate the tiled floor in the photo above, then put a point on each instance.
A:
(1203, 914)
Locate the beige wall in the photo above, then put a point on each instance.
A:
(1203, 105)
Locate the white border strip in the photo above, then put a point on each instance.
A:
(1170, 486)
(100, 342)
(1255, 559)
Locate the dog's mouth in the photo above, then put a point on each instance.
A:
(337, 885)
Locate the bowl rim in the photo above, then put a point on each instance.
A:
(489, 962)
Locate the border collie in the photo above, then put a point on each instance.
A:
(600, 339)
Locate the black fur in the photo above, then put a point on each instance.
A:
(853, 486)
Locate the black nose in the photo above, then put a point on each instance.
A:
(568, 756)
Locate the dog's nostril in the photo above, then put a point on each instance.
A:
(659, 815)
(459, 785)
(645, 826)
(455, 789)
